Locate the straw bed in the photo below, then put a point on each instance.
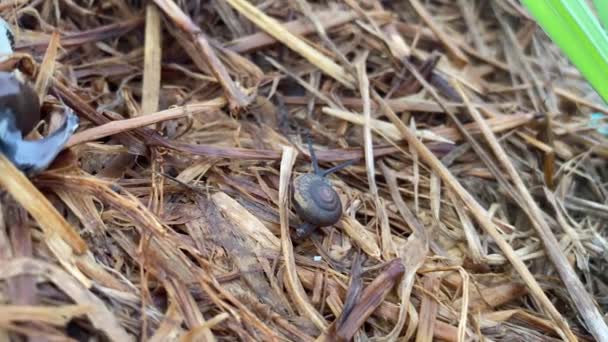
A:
(474, 209)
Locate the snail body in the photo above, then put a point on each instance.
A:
(315, 200)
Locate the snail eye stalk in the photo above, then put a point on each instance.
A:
(338, 167)
(315, 161)
(313, 156)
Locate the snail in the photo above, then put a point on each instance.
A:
(315, 201)
(19, 114)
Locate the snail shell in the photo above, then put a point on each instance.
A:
(316, 201)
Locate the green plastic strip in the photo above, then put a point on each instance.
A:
(602, 10)
(576, 30)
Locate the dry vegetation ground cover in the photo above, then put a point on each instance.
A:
(475, 209)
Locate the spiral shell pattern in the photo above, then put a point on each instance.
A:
(316, 201)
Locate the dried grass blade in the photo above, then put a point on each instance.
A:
(449, 44)
(83, 207)
(120, 126)
(435, 195)
(20, 290)
(233, 232)
(152, 61)
(428, 309)
(473, 240)
(413, 252)
(405, 104)
(481, 215)
(371, 297)
(388, 249)
(294, 286)
(170, 328)
(441, 134)
(416, 168)
(406, 213)
(299, 27)
(462, 324)
(495, 296)
(12, 4)
(236, 97)
(316, 21)
(580, 297)
(24, 192)
(277, 30)
(470, 18)
(55, 315)
(195, 333)
(47, 67)
(578, 99)
(385, 128)
(254, 228)
(79, 38)
(363, 238)
(99, 315)
(193, 316)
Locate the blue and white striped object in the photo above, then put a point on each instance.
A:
(599, 122)
(7, 39)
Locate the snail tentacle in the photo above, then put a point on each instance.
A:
(313, 157)
(338, 167)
